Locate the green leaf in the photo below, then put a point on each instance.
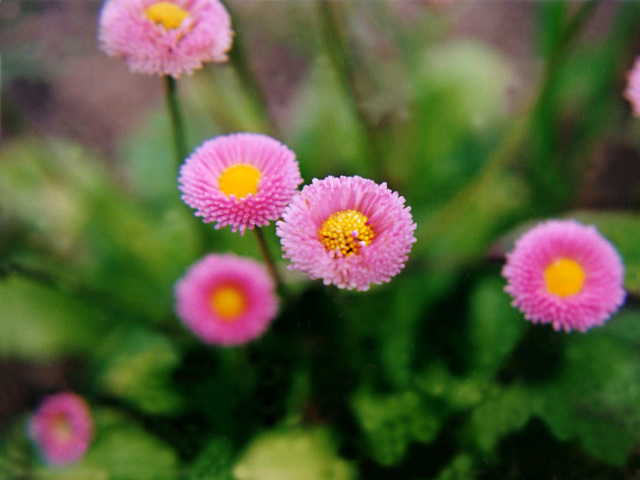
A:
(292, 454)
(392, 422)
(324, 133)
(138, 365)
(594, 400)
(460, 468)
(495, 326)
(499, 416)
(121, 451)
(215, 462)
(39, 323)
(623, 230)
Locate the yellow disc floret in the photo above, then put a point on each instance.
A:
(564, 277)
(239, 180)
(228, 302)
(168, 14)
(345, 232)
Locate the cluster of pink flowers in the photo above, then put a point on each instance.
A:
(62, 428)
(348, 231)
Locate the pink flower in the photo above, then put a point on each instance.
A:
(632, 92)
(62, 428)
(565, 273)
(243, 180)
(349, 231)
(169, 37)
(226, 300)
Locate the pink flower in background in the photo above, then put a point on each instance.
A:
(243, 180)
(169, 37)
(567, 274)
(348, 231)
(632, 92)
(62, 428)
(226, 300)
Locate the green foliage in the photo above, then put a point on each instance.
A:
(40, 323)
(392, 422)
(137, 367)
(292, 454)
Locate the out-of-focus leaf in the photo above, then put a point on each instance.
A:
(291, 455)
(495, 326)
(86, 232)
(623, 230)
(594, 400)
(121, 451)
(460, 468)
(38, 322)
(500, 415)
(138, 365)
(392, 422)
(392, 315)
(456, 393)
(324, 132)
(215, 462)
(464, 228)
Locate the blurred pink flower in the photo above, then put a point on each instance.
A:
(565, 273)
(168, 37)
(62, 428)
(226, 300)
(243, 180)
(349, 231)
(632, 91)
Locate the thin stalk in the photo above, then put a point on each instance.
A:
(177, 122)
(268, 259)
(339, 56)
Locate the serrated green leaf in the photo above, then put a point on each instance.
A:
(499, 416)
(392, 422)
(138, 365)
(595, 398)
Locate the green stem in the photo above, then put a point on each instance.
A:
(338, 54)
(264, 250)
(177, 122)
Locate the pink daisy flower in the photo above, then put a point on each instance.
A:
(62, 428)
(226, 300)
(168, 37)
(565, 273)
(632, 91)
(349, 231)
(243, 180)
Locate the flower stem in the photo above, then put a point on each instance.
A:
(264, 250)
(177, 123)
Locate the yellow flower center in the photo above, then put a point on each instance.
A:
(168, 14)
(346, 231)
(564, 277)
(228, 302)
(239, 180)
(62, 427)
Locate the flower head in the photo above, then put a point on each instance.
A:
(632, 91)
(226, 300)
(565, 273)
(168, 37)
(243, 180)
(349, 231)
(62, 428)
